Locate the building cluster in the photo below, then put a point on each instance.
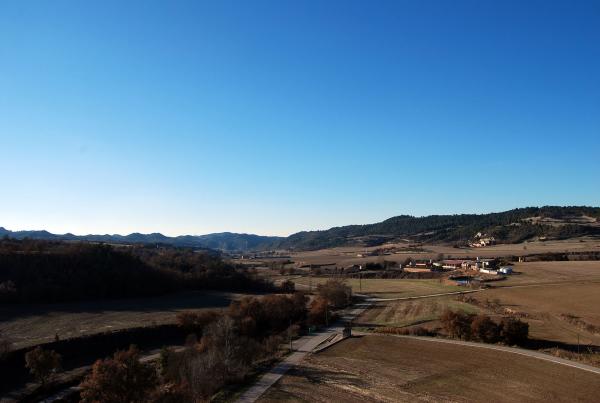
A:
(488, 266)
(481, 240)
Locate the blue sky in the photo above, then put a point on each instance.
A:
(279, 116)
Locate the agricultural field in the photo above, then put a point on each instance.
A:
(386, 288)
(386, 368)
(556, 312)
(531, 273)
(424, 312)
(559, 300)
(27, 325)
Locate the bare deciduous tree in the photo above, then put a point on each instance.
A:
(42, 363)
(121, 379)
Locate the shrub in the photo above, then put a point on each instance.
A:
(288, 287)
(42, 363)
(485, 329)
(121, 379)
(336, 292)
(196, 321)
(317, 313)
(457, 324)
(514, 331)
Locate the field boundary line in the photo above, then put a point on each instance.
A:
(513, 350)
(375, 299)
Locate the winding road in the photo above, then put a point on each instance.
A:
(304, 346)
(309, 344)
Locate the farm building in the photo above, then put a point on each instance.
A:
(469, 265)
(505, 270)
(452, 264)
(483, 264)
(423, 263)
(489, 271)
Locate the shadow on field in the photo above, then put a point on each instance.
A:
(537, 344)
(169, 302)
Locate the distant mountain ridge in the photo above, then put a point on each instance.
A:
(226, 241)
(512, 226)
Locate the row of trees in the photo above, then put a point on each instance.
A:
(222, 348)
(482, 328)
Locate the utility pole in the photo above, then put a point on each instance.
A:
(326, 314)
(360, 278)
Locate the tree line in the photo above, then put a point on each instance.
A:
(51, 271)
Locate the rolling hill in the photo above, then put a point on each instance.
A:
(510, 226)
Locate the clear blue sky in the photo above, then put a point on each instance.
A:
(273, 117)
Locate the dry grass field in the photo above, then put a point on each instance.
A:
(553, 272)
(391, 369)
(27, 325)
(559, 300)
(387, 288)
(548, 309)
(413, 312)
(548, 291)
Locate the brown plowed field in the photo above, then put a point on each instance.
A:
(391, 369)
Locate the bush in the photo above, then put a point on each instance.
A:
(288, 287)
(457, 324)
(336, 292)
(256, 317)
(42, 363)
(121, 379)
(196, 321)
(514, 331)
(317, 313)
(485, 329)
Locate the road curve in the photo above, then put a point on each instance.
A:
(512, 350)
(304, 346)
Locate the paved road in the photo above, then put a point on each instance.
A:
(304, 346)
(513, 350)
